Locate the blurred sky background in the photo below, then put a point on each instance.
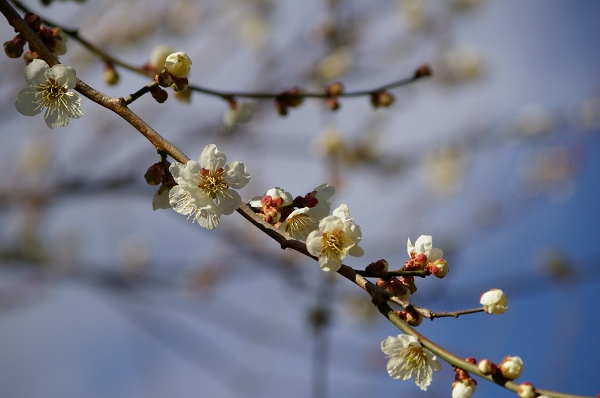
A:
(496, 156)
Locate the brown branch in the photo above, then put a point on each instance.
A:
(379, 296)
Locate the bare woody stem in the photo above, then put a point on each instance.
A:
(379, 296)
(74, 34)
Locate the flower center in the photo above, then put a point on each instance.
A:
(414, 357)
(212, 182)
(52, 95)
(301, 225)
(333, 243)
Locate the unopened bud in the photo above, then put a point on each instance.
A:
(335, 89)
(33, 21)
(381, 99)
(471, 360)
(463, 388)
(511, 367)
(424, 70)
(487, 367)
(163, 79)
(111, 77)
(382, 283)
(295, 97)
(159, 94)
(398, 289)
(409, 282)
(30, 56)
(439, 268)
(281, 106)
(377, 268)
(178, 64)
(412, 317)
(333, 104)
(13, 49)
(526, 390)
(154, 174)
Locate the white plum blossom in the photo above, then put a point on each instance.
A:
(303, 221)
(494, 301)
(463, 388)
(242, 113)
(158, 57)
(408, 358)
(336, 237)
(424, 245)
(511, 367)
(204, 191)
(178, 64)
(49, 88)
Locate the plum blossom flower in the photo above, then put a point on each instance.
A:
(424, 245)
(204, 191)
(271, 203)
(336, 237)
(178, 64)
(49, 88)
(408, 358)
(158, 57)
(494, 301)
(242, 113)
(511, 367)
(303, 221)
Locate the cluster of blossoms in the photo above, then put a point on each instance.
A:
(49, 89)
(423, 256)
(329, 237)
(171, 68)
(202, 190)
(53, 38)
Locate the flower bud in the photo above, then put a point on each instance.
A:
(511, 367)
(163, 79)
(295, 97)
(487, 367)
(33, 20)
(281, 106)
(30, 56)
(494, 301)
(409, 282)
(381, 98)
(154, 174)
(178, 64)
(382, 283)
(398, 289)
(424, 70)
(333, 104)
(526, 390)
(463, 388)
(438, 268)
(111, 77)
(377, 268)
(13, 49)
(411, 316)
(335, 89)
(159, 94)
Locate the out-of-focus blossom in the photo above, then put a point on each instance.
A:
(242, 113)
(408, 358)
(533, 121)
(158, 57)
(334, 64)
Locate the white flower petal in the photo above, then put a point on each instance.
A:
(25, 102)
(211, 158)
(314, 243)
(35, 72)
(229, 203)
(235, 174)
(63, 74)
